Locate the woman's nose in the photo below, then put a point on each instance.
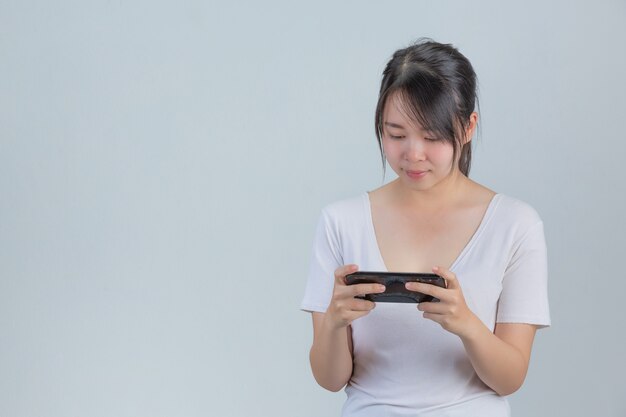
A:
(415, 150)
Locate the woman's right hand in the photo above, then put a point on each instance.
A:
(344, 308)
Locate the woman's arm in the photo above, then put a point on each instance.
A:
(331, 353)
(500, 358)
(330, 356)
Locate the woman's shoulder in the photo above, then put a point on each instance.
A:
(346, 216)
(479, 194)
(346, 207)
(514, 217)
(505, 210)
(515, 208)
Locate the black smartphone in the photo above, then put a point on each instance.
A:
(395, 291)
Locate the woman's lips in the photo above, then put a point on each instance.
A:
(416, 174)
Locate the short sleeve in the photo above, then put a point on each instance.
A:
(325, 259)
(524, 297)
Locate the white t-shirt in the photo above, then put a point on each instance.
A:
(404, 364)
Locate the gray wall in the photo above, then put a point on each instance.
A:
(162, 167)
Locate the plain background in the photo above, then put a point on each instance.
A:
(163, 165)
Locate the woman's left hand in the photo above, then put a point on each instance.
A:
(451, 312)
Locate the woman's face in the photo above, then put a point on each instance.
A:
(417, 156)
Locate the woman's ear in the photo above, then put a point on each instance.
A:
(469, 132)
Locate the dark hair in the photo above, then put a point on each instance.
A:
(437, 87)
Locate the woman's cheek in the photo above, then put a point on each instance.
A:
(441, 153)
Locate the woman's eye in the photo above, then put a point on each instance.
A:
(395, 137)
(432, 139)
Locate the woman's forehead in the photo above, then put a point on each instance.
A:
(397, 115)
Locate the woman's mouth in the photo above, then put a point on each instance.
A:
(416, 174)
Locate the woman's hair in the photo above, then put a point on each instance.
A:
(437, 87)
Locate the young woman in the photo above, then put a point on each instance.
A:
(460, 356)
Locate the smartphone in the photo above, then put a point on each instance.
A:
(395, 291)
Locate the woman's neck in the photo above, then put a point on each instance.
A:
(446, 194)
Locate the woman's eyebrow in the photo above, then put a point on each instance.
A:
(394, 125)
(390, 124)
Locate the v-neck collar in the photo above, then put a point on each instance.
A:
(372, 233)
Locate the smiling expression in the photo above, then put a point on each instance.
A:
(418, 156)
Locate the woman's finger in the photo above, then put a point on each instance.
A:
(449, 276)
(362, 289)
(432, 308)
(428, 289)
(357, 304)
(344, 270)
